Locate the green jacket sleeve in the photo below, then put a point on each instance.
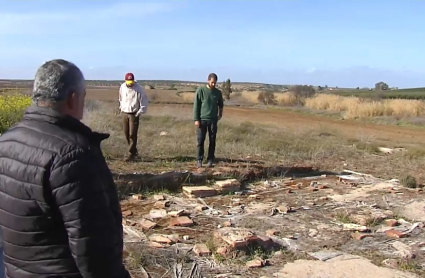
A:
(220, 101)
(197, 105)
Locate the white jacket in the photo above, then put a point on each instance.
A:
(133, 100)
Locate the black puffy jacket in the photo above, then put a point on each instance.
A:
(59, 209)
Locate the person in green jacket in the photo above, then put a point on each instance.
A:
(207, 111)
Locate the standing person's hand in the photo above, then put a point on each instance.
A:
(197, 123)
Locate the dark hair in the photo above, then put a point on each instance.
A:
(212, 76)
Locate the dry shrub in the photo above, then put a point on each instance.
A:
(286, 99)
(331, 102)
(251, 97)
(367, 109)
(187, 97)
(355, 107)
(406, 107)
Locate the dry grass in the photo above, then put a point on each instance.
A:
(239, 139)
(355, 107)
(286, 99)
(187, 97)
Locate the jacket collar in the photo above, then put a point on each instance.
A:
(44, 114)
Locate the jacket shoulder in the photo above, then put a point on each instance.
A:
(45, 136)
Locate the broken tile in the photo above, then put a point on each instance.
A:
(199, 191)
(360, 236)
(391, 222)
(228, 186)
(157, 213)
(395, 233)
(182, 221)
(201, 250)
(147, 224)
(160, 239)
(235, 237)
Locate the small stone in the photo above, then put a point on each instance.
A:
(313, 233)
(147, 225)
(313, 183)
(392, 263)
(182, 221)
(137, 197)
(254, 196)
(391, 222)
(186, 237)
(298, 185)
(156, 245)
(178, 213)
(360, 236)
(272, 232)
(256, 263)
(284, 209)
(395, 234)
(227, 224)
(222, 251)
(289, 191)
(159, 197)
(161, 204)
(157, 213)
(201, 208)
(127, 213)
(201, 250)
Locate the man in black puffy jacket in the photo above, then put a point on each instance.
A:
(59, 210)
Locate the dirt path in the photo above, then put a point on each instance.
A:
(391, 136)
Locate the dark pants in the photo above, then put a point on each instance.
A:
(131, 127)
(211, 128)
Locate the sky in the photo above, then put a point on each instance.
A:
(346, 43)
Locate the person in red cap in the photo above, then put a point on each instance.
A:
(133, 103)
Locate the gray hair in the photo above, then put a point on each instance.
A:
(55, 80)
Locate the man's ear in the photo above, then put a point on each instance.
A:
(71, 100)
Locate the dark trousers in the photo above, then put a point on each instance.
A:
(131, 127)
(211, 128)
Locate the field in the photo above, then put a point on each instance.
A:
(322, 187)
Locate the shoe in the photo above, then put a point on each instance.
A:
(199, 164)
(210, 164)
(131, 157)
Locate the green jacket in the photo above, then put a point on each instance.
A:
(206, 104)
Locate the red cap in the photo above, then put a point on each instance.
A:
(129, 76)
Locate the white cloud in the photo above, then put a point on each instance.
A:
(40, 22)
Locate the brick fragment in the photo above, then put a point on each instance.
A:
(201, 250)
(182, 221)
